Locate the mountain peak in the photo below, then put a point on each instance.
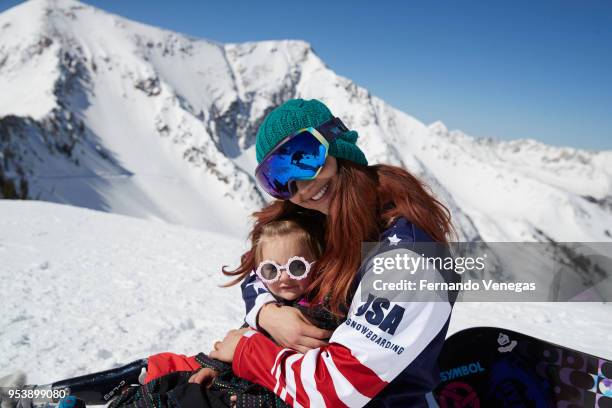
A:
(438, 127)
(42, 7)
(103, 112)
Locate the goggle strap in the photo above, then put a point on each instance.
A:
(332, 128)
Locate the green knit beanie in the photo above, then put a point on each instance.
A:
(296, 114)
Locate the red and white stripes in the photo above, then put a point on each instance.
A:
(313, 379)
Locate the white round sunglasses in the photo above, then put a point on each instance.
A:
(297, 268)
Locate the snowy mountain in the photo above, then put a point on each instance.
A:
(102, 112)
(75, 302)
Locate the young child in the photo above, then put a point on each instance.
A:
(284, 254)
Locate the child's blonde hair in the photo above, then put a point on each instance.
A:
(283, 228)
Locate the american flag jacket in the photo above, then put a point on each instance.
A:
(383, 355)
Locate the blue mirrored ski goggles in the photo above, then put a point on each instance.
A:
(299, 156)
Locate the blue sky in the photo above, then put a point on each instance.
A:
(501, 69)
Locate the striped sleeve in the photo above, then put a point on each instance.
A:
(255, 295)
(380, 338)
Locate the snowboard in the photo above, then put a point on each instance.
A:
(485, 367)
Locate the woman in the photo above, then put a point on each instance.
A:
(385, 354)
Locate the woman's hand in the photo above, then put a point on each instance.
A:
(289, 328)
(224, 349)
(204, 377)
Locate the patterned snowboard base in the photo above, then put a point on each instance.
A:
(485, 367)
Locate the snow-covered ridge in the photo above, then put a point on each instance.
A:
(106, 113)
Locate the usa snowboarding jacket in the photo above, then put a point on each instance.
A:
(383, 355)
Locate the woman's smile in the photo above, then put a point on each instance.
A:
(316, 194)
(321, 192)
(316, 197)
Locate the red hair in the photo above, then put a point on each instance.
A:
(366, 201)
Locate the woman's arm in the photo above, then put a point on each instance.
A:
(285, 324)
(382, 337)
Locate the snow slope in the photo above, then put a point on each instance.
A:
(106, 113)
(86, 290)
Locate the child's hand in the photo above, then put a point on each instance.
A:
(204, 377)
(224, 349)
